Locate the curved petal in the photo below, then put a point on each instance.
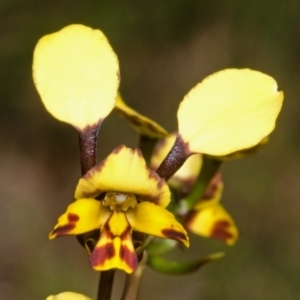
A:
(68, 296)
(186, 176)
(229, 111)
(81, 216)
(213, 221)
(155, 220)
(140, 123)
(124, 170)
(76, 73)
(114, 248)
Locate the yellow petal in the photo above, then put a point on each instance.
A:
(155, 220)
(229, 111)
(213, 221)
(185, 177)
(68, 296)
(76, 73)
(115, 249)
(140, 123)
(124, 170)
(81, 216)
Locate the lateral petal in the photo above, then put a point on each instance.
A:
(229, 111)
(76, 73)
(155, 220)
(81, 216)
(124, 170)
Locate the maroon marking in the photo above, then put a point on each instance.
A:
(212, 187)
(150, 126)
(135, 120)
(124, 234)
(101, 254)
(118, 149)
(63, 230)
(96, 168)
(220, 231)
(173, 234)
(128, 257)
(73, 218)
(139, 152)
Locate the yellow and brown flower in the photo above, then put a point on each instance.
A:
(118, 196)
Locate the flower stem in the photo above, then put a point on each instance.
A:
(175, 159)
(209, 168)
(133, 281)
(105, 285)
(88, 148)
(88, 157)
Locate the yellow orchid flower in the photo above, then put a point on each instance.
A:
(229, 111)
(119, 195)
(209, 218)
(68, 296)
(76, 73)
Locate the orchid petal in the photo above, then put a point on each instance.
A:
(124, 170)
(81, 216)
(76, 73)
(229, 111)
(155, 220)
(114, 248)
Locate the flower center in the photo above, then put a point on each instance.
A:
(119, 201)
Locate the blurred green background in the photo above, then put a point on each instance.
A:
(164, 48)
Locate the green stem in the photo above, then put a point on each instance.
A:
(209, 168)
(133, 281)
(105, 285)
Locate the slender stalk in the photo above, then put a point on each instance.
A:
(209, 168)
(133, 281)
(88, 148)
(105, 285)
(175, 159)
(88, 157)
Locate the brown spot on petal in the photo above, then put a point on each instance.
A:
(138, 152)
(118, 149)
(73, 218)
(101, 254)
(129, 257)
(173, 234)
(212, 187)
(125, 232)
(63, 230)
(220, 231)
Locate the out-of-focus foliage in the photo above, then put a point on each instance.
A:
(164, 49)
